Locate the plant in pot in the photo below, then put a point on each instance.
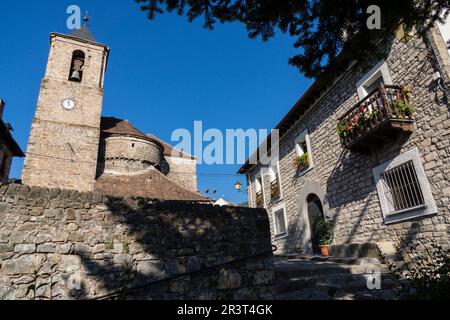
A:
(325, 243)
(302, 162)
(324, 230)
(403, 107)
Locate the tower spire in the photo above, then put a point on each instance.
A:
(84, 32)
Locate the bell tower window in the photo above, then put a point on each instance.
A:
(76, 67)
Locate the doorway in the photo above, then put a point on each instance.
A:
(316, 217)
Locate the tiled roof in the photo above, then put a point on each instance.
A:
(170, 150)
(150, 184)
(83, 33)
(111, 125)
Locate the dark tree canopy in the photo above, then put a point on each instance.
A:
(321, 28)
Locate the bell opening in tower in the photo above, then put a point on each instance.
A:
(76, 68)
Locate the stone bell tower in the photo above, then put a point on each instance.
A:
(64, 139)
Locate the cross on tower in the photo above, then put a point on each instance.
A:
(86, 18)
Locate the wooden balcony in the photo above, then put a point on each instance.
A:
(275, 191)
(259, 200)
(380, 117)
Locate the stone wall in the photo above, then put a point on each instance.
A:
(128, 154)
(344, 181)
(183, 171)
(58, 244)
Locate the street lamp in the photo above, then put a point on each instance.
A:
(238, 186)
(403, 34)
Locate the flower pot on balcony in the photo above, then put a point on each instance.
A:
(301, 162)
(325, 250)
(382, 116)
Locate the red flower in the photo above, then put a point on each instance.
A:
(355, 119)
(362, 109)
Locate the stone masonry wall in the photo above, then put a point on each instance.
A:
(63, 144)
(345, 178)
(59, 244)
(182, 171)
(129, 154)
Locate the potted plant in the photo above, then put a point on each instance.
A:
(325, 243)
(402, 107)
(324, 231)
(301, 162)
(347, 126)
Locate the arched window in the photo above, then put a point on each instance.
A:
(76, 67)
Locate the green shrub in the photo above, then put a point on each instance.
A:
(427, 276)
(302, 161)
(403, 107)
(325, 231)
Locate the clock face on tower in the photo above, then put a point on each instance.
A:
(68, 104)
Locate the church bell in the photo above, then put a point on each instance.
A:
(76, 70)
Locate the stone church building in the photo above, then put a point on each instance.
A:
(367, 150)
(72, 146)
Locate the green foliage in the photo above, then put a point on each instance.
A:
(344, 129)
(403, 107)
(347, 126)
(110, 245)
(324, 230)
(14, 180)
(302, 161)
(321, 29)
(427, 276)
(126, 247)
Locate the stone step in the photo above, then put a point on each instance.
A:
(367, 295)
(298, 268)
(327, 294)
(349, 261)
(324, 278)
(351, 283)
(316, 293)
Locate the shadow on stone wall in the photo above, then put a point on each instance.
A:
(204, 237)
(352, 182)
(82, 246)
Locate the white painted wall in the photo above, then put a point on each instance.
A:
(445, 31)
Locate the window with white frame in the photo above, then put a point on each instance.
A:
(372, 80)
(403, 188)
(303, 159)
(280, 221)
(259, 192)
(275, 183)
(444, 28)
(258, 181)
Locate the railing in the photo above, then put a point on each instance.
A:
(259, 199)
(275, 191)
(386, 103)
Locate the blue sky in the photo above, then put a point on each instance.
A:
(162, 75)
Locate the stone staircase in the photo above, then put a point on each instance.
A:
(319, 278)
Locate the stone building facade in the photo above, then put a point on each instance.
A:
(387, 180)
(72, 146)
(9, 148)
(64, 140)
